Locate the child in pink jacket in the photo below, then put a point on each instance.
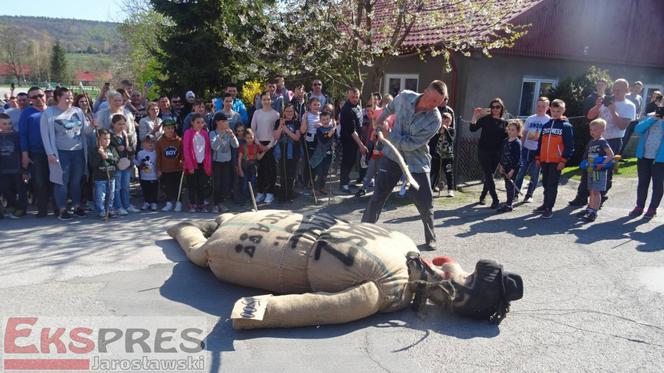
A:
(197, 162)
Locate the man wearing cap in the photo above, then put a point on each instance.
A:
(634, 96)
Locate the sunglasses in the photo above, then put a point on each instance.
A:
(41, 95)
(496, 107)
(318, 84)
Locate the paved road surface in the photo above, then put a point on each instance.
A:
(593, 293)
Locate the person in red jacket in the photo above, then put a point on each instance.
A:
(197, 162)
(556, 146)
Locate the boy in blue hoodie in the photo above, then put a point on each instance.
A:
(11, 175)
(555, 148)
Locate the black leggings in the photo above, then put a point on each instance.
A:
(445, 166)
(648, 170)
(198, 185)
(489, 161)
(170, 182)
(267, 171)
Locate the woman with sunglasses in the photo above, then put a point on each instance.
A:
(493, 132)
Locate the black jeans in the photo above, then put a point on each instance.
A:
(489, 161)
(287, 172)
(267, 172)
(222, 180)
(550, 180)
(150, 189)
(170, 181)
(198, 185)
(629, 131)
(42, 184)
(510, 186)
(648, 170)
(439, 166)
(13, 189)
(389, 173)
(348, 156)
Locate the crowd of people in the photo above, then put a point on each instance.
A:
(80, 154)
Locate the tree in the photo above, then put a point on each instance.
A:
(58, 63)
(12, 53)
(346, 40)
(208, 43)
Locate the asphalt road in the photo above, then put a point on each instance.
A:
(592, 302)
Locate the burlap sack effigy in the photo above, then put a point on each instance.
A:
(349, 271)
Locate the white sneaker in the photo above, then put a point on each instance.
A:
(167, 207)
(260, 197)
(145, 206)
(178, 207)
(122, 212)
(133, 209)
(153, 207)
(269, 198)
(403, 190)
(450, 193)
(528, 199)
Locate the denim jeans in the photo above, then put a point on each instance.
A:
(528, 167)
(104, 188)
(121, 198)
(73, 167)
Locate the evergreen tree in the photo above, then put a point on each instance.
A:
(58, 63)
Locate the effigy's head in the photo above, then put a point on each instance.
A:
(484, 294)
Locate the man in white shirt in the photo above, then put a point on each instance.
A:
(618, 115)
(531, 133)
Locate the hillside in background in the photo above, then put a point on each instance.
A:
(75, 36)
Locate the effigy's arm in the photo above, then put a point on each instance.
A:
(192, 238)
(309, 309)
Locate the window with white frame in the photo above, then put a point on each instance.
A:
(531, 90)
(395, 83)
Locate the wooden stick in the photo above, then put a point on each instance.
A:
(180, 188)
(253, 198)
(400, 161)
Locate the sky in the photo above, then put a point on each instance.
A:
(104, 10)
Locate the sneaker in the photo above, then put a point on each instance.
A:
(260, 197)
(637, 211)
(540, 209)
(450, 193)
(436, 189)
(589, 217)
(650, 213)
(548, 214)
(494, 204)
(345, 189)
(516, 197)
(359, 182)
(504, 208)
(19, 213)
(153, 206)
(102, 215)
(133, 209)
(167, 207)
(122, 212)
(269, 198)
(403, 190)
(192, 208)
(64, 215)
(361, 193)
(528, 199)
(215, 209)
(222, 208)
(581, 214)
(178, 206)
(145, 206)
(578, 202)
(80, 212)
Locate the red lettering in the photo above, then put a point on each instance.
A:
(12, 333)
(88, 343)
(47, 341)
